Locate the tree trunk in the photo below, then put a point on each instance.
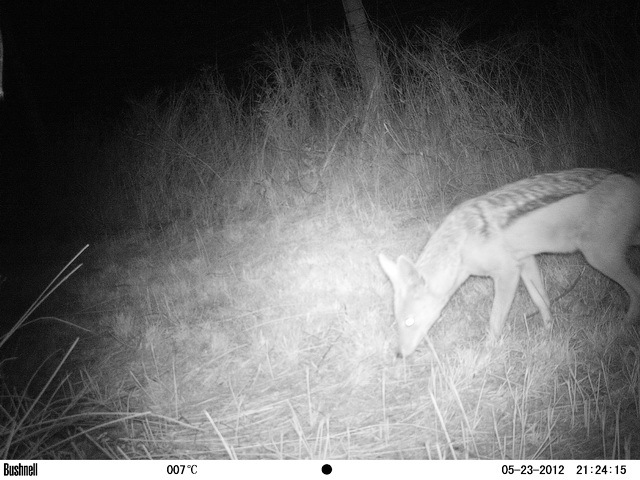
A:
(364, 47)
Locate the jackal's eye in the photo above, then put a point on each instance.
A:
(409, 321)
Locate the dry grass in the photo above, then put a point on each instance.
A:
(260, 345)
(57, 414)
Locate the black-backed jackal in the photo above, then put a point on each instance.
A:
(497, 235)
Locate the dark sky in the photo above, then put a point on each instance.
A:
(71, 52)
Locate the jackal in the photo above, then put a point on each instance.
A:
(497, 235)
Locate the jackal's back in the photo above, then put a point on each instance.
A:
(490, 213)
(499, 208)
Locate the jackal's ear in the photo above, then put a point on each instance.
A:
(402, 273)
(390, 268)
(408, 271)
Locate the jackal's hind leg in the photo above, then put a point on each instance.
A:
(613, 264)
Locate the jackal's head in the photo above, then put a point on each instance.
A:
(417, 304)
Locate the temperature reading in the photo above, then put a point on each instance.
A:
(182, 469)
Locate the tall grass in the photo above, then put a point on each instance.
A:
(456, 120)
(53, 415)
